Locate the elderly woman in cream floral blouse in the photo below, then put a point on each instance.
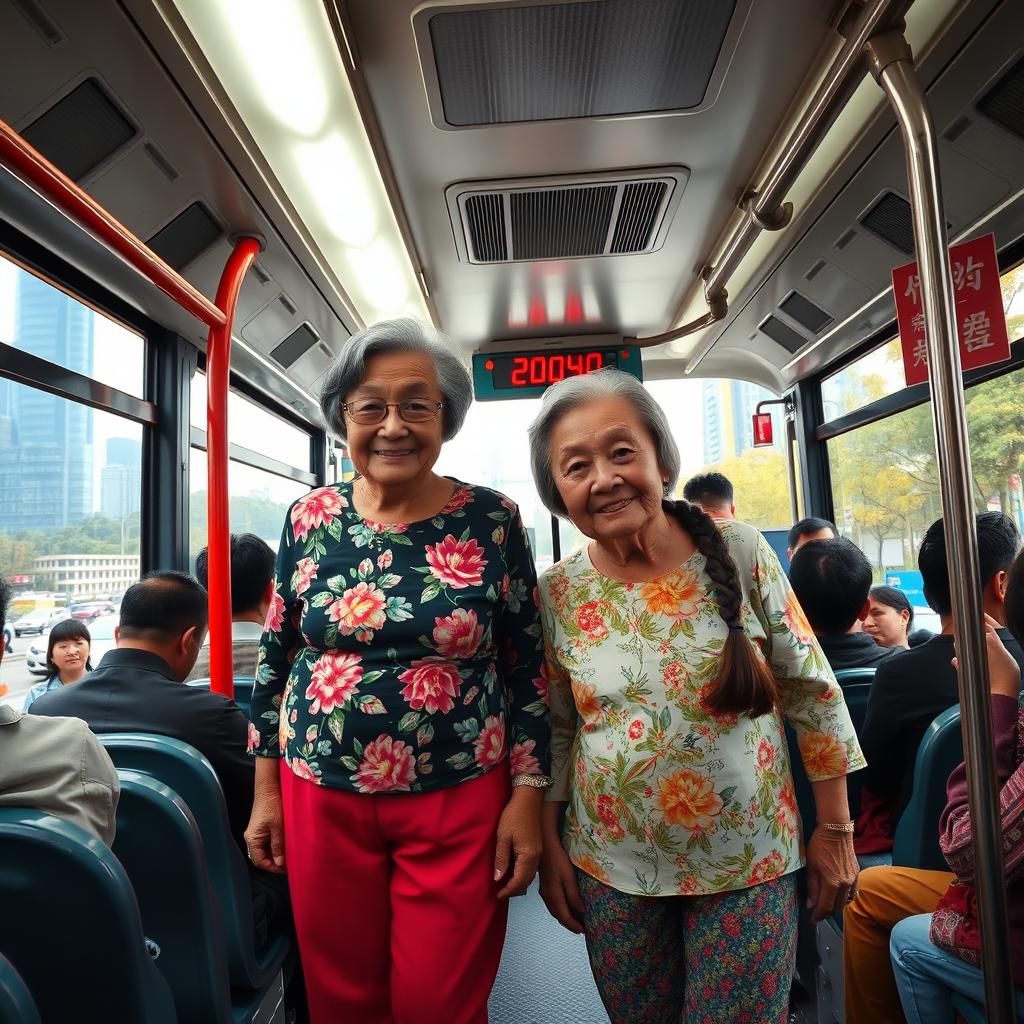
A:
(675, 652)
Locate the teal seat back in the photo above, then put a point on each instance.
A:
(158, 843)
(189, 774)
(70, 925)
(856, 697)
(916, 843)
(16, 1003)
(243, 691)
(852, 676)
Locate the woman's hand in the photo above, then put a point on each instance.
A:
(519, 841)
(558, 886)
(1003, 671)
(831, 872)
(264, 838)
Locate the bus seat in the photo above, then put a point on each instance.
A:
(916, 843)
(968, 1009)
(852, 676)
(184, 770)
(243, 691)
(16, 1003)
(59, 884)
(158, 843)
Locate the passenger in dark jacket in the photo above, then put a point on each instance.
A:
(138, 688)
(915, 686)
(832, 580)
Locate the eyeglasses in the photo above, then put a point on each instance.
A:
(373, 410)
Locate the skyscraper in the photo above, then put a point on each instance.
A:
(121, 478)
(46, 462)
(729, 407)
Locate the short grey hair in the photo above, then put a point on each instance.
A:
(573, 392)
(401, 335)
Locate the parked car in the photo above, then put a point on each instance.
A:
(93, 610)
(102, 632)
(40, 620)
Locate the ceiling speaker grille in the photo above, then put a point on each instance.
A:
(589, 59)
(485, 218)
(565, 221)
(806, 313)
(782, 334)
(190, 233)
(1004, 102)
(559, 223)
(889, 219)
(81, 130)
(638, 216)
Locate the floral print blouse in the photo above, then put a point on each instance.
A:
(402, 658)
(666, 798)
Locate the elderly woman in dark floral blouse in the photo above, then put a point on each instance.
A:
(400, 679)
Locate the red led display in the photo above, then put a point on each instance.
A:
(539, 369)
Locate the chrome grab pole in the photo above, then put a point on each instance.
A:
(892, 65)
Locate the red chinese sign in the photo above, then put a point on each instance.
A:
(980, 319)
(763, 430)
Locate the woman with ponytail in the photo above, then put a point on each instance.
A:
(675, 654)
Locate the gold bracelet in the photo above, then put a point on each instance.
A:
(533, 781)
(837, 826)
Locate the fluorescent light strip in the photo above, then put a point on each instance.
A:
(279, 65)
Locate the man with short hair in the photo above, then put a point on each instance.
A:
(55, 765)
(831, 580)
(252, 590)
(138, 686)
(811, 528)
(914, 686)
(713, 493)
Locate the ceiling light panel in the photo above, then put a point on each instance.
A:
(279, 65)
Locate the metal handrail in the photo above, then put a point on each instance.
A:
(35, 170)
(762, 207)
(32, 167)
(892, 65)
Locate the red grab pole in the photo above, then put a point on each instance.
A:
(218, 369)
(31, 166)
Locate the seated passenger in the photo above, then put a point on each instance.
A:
(252, 590)
(936, 954)
(137, 687)
(811, 528)
(914, 686)
(890, 617)
(713, 493)
(831, 580)
(67, 659)
(55, 765)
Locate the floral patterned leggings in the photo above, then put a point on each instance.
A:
(727, 957)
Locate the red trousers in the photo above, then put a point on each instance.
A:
(394, 900)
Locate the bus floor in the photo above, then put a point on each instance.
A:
(545, 976)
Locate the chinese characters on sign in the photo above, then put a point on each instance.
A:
(981, 322)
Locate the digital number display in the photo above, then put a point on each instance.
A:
(544, 368)
(527, 374)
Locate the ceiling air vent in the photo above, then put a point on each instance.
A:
(806, 313)
(296, 345)
(564, 219)
(783, 335)
(1004, 102)
(888, 218)
(192, 232)
(81, 130)
(596, 58)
